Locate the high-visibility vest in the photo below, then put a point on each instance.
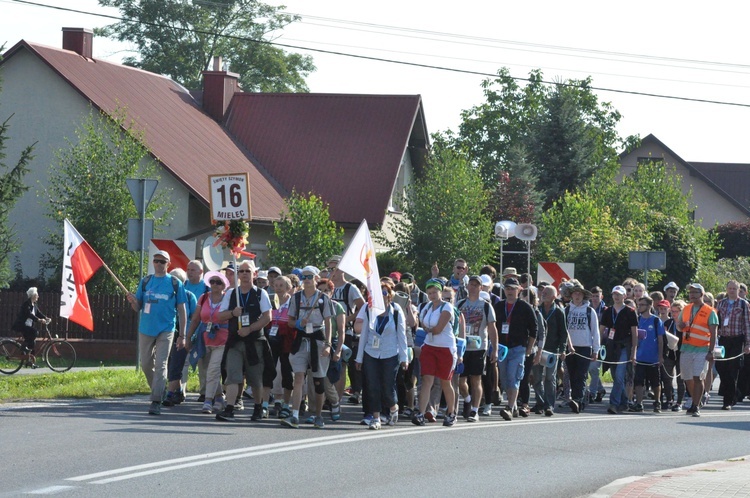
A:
(696, 333)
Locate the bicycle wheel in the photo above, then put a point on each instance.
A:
(11, 356)
(59, 355)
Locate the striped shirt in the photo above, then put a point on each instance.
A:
(734, 319)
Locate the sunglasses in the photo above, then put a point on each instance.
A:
(244, 271)
(306, 277)
(460, 267)
(160, 261)
(406, 280)
(628, 289)
(216, 282)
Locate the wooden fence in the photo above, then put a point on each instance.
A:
(114, 319)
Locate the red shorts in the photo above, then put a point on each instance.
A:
(438, 362)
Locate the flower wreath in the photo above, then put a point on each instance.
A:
(232, 234)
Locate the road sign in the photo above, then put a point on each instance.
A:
(647, 260)
(554, 273)
(230, 196)
(181, 252)
(140, 189)
(136, 234)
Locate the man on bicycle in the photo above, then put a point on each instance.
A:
(26, 319)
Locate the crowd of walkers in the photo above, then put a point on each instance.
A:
(301, 344)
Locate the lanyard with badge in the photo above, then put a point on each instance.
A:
(310, 309)
(210, 322)
(381, 322)
(245, 316)
(279, 312)
(506, 325)
(729, 313)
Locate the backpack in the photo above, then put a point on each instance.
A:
(345, 301)
(456, 316)
(298, 299)
(395, 313)
(147, 279)
(588, 314)
(462, 302)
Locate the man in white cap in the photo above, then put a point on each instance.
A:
(699, 323)
(160, 299)
(619, 333)
(670, 291)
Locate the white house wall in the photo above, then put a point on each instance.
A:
(47, 110)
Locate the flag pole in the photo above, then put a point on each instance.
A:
(124, 289)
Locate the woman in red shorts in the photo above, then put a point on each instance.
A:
(438, 357)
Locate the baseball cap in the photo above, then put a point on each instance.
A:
(619, 289)
(230, 267)
(476, 278)
(310, 269)
(664, 303)
(511, 282)
(433, 282)
(408, 277)
(395, 276)
(671, 285)
(486, 280)
(163, 254)
(262, 274)
(274, 269)
(697, 287)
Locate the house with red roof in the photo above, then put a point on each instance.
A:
(358, 152)
(719, 190)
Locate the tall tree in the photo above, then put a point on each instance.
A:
(12, 188)
(445, 216)
(306, 234)
(567, 133)
(87, 186)
(179, 38)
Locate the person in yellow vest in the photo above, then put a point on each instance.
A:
(698, 322)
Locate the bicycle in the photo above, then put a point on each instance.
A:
(58, 354)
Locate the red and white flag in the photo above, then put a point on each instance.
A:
(80, 262)
(359, 262)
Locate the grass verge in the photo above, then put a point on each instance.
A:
(103, 383)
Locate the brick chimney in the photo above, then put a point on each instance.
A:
(79, 40)
(218, 88)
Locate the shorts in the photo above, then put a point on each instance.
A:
(693, 365)
(438, 362)
(474, 363)
(646, 372)
(301, 360)
(238, 367)
(511, 368)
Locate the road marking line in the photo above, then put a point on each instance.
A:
(265, 449)
(51, 490)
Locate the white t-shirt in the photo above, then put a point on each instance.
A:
(430, 317)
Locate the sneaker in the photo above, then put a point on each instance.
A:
(285, 412)
(473, 417)
(264, 412)
(201, 398)
(704, 399)
(507, 414)
(677, 407)
(319, 424)
(417, 418)
(257, 412)
(219, 405)
(690, 410)
(485, 410)
(274, 412)
(657, 407)
(697, 412)
(366, 419)
(207, 407)
(179, 397)
(310, 420)
(335, 412)
(354, 398)
(155, 408)
(374, 424)
(600, 396)
(291, 421)
(548, 412)
(515, 412)
(574, 406)
(449, 420)
(612, 410)
(524, 411)
(169, 400)
(430, 417)
(393, 419)
(636, 408)
(538, 409)
(408, 412)
(302, 407)
(239, 405)
(726, 407)
(226, 416)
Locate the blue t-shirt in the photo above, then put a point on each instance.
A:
(648, 348)
(158, 304)
(197, 289)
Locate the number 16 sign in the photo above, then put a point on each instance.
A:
(230, 196)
